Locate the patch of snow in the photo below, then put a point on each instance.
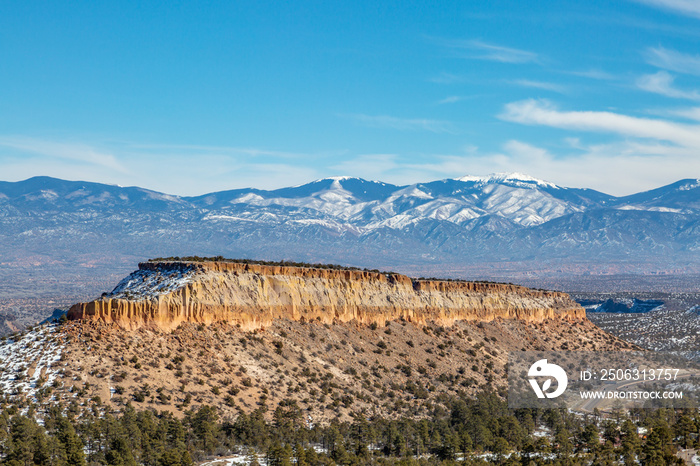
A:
(473, 178)
(146, 284)
(415, 192)
(336, 195)
(520, 179)
(396, 222)
(688, 187)
(44, 194)
(105, 196)
(249, 198)
(24, 359)
(650, 209)
(82, 192)
(232, 218)
(410, 191)
(161, 196)
(233, 460)
(335, 226)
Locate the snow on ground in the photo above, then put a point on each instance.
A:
(144, 284)
(233, 460)
(24, 359)
(519, 179)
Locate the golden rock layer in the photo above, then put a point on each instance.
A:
(252, 296)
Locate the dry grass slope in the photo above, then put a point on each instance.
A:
(331, 370)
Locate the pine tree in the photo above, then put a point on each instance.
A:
(300, 455)
(21, 451)
(119, 453)
(279, 455)
(630, 442)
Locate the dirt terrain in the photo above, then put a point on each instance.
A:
(335, 343)
(330, 370)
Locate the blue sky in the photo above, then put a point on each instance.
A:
(193, 97)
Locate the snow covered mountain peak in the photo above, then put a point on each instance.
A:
(332, 179)
(691, 184)
(335, 179)
(520, 179)
(474, 218)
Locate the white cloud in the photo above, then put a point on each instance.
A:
(476, 49)
(593, 74)
(689, 113)
(685, 7)
(451, 99)
(673, 60)
(176, 169)
(403, 124)
(662, 83)
(654, 152)
(541, 85)
(189, 148)
(623, 167)
(619, 168)
(538, 112)
(76, 152)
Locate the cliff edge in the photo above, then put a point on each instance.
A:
(165, 294)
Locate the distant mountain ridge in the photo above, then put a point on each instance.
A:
(463, 221)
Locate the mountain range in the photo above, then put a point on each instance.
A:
(448, 226)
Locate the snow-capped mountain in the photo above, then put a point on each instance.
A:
(363, 206)
(497, 218)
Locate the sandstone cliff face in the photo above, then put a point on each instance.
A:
(165, 294)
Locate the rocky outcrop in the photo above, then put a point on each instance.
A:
(165, 294)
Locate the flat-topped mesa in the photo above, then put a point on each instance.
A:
(165, 294)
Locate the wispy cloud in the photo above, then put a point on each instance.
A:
(453, 99)
(76, 152)
(685, 7)
(541, 85)
(689, 113)
(618, 168)
(232, 150)
(133, 164)
(673, 60)
(594, 74)
(403, 124)
(476, 49)
(539, 112)
(662, 83)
